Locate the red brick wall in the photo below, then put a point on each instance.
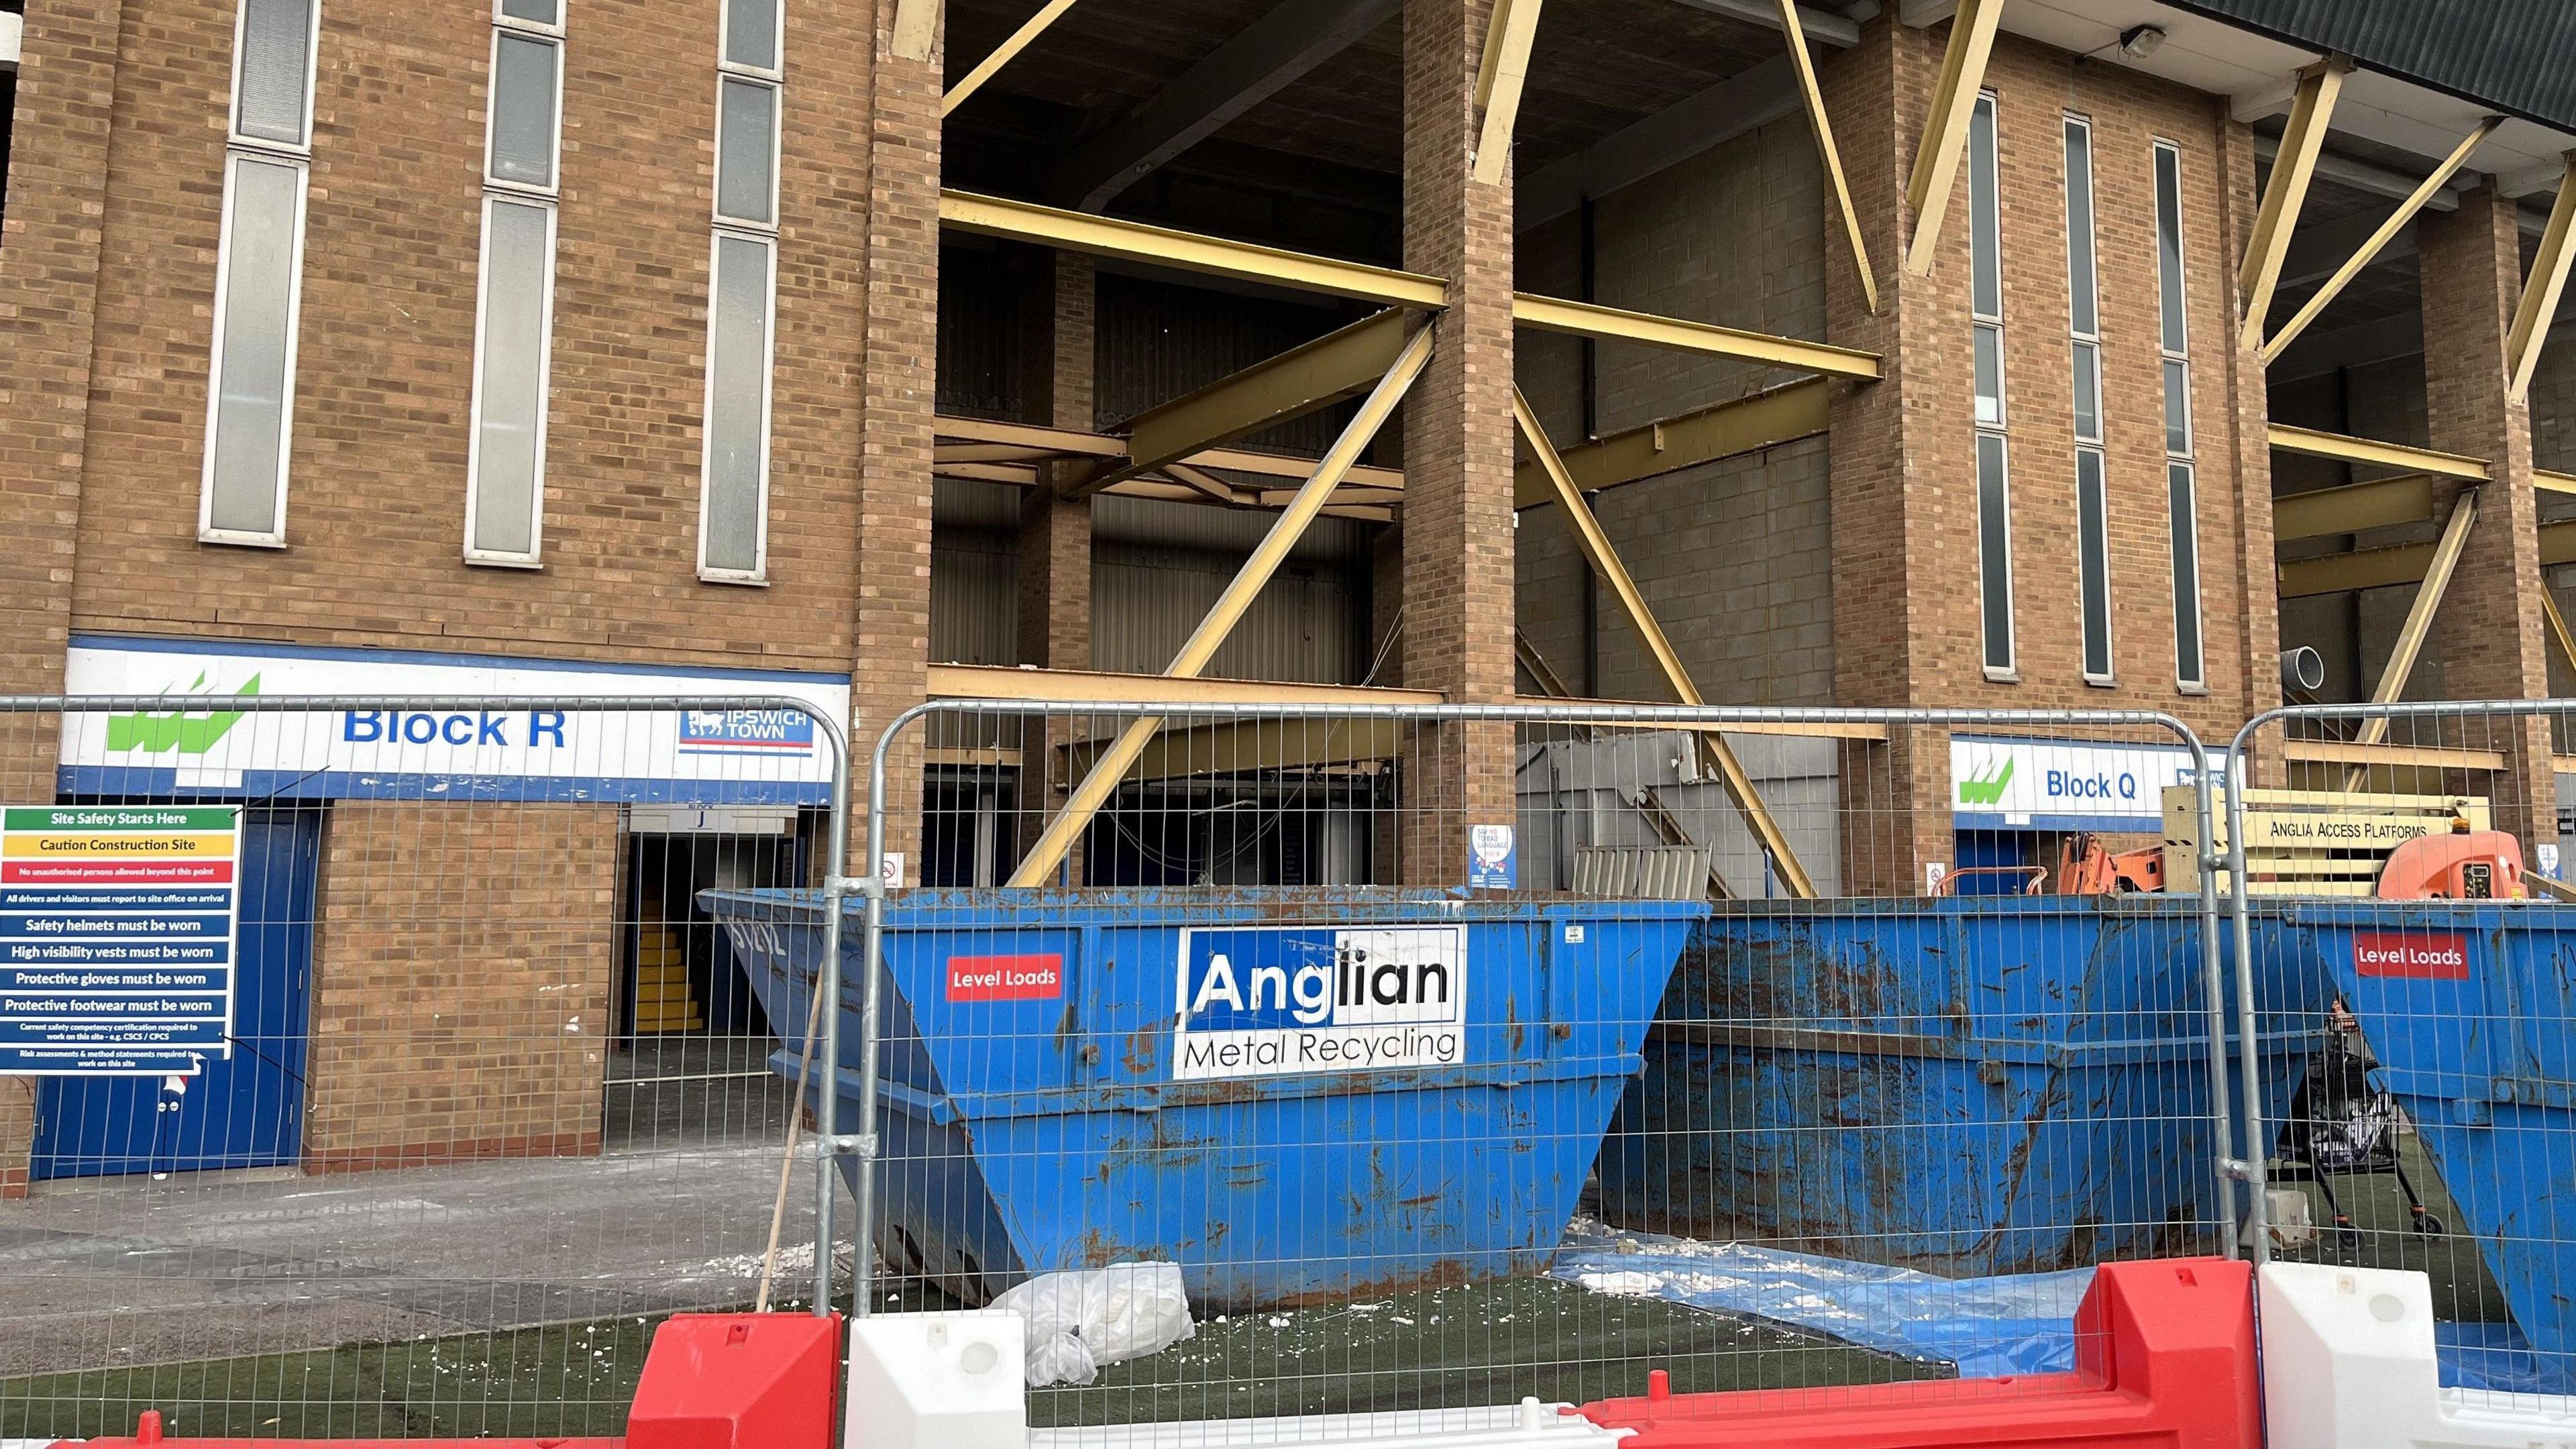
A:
(464, 962)
(375, 506)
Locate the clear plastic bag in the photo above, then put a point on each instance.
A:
(1081, 1321)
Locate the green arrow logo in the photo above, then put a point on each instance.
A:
(190, 733)
(1987, 785)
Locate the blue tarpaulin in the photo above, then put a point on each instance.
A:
(2010, 1324)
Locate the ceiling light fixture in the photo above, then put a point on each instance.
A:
(2140, 41)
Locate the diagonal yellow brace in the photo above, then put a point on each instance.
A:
(1713, 747)
(2539, 305)
(1833, 158)
(1112, 764)
(2419, 624)
(991, 65)
(916, 24)
(2311, 114)
(2388, 230)
(1945, 130)
(2558, 627)
(1499, 79)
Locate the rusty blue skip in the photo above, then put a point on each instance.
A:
(1296, 1094)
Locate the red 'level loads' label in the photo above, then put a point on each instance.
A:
(1005, 978)
(2441, 956)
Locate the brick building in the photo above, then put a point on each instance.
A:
(763, 346)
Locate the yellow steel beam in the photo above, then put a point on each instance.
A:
(2311, 114)
(1054, 442)
(1945, 129)
(2419, 624)
(2369, 568)
(2548, 482)
(1189, 251)
(1584, 319)
(1291, 385)
(1743, 425)
(1713, 747)
(2539, 306)
(1096, 787)
(2353, 508)
(1230, 747)
(916, 24)
(1823, 126)
(2347, 449)
(1283, 465)
(2558, 626)
(2388, 230)
(994, 681)
(1499, 78)
(990, 65)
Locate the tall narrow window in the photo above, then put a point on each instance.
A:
(733, 489)
(2181, 485)
(1994, 474)
(2084, 326)
(514, 320)
(250, 383)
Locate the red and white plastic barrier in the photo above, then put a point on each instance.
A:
(2164, 1358)
(2349, 1363)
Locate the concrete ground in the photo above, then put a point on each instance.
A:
(112, 1272)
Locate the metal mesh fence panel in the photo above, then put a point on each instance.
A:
(1323, 1059)
(2394, 874)
(374, 1067)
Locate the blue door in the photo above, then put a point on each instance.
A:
(244, 1111)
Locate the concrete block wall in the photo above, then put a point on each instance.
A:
(464, 967)
(1734, 557)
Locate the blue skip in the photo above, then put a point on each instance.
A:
(1297, 1095)
(2471, 1009)
(2008, 1084)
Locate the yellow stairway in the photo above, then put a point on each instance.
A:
(663, 1001)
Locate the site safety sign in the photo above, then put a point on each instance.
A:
(118, 927)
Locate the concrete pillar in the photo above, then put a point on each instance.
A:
(2491, 637)
(1901, 622)
(890, 635)
(1054, 574)
(49, 274)
(1458, 449)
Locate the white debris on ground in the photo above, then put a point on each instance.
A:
(1080, 1321)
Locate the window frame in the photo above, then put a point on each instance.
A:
(1989, 105)
(757, 576)
(554, 41)
(207, 532)
(521, 23)
(234, 136)
(534, 558)
(2191, 676)
(726, 65)
(777, 151)
(2087, 344)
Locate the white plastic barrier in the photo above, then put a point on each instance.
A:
(937, 1381)
(1526, 1425)
(2348, 1363)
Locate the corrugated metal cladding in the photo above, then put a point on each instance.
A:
(1157, 341)
(2518, 56)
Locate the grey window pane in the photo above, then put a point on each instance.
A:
(523, 111)
(2169, 246)
(747, 135)
(2088, 392)
(1985, 238)
(2186, 568)
(1990, 376)
(276, 45)
(1994, 552)
(2084, 302)
(2177, 408)
(252, 386)
(2093, 538)
(751, 33)
(540, 12)
(737, 422)
(510, 441)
